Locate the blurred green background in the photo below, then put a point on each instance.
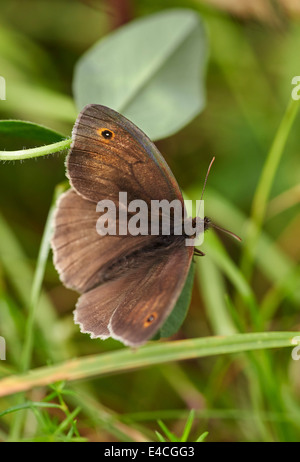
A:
(253, 56)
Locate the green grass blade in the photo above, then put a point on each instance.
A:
(212, 287)
(217, 252)
(68, 420)
(263, 189)
(37, 282)
(188, 426)
(28, 405)
(16, 267)
(271, 260)
(167, 432)
(34, 298)
(202, 437)
(127, 360)
(160, 437)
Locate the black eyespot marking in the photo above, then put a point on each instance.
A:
(107, 134)
(150, 319)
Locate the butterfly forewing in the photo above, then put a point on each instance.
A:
(100, 167)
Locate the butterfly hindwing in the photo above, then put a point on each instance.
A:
(134, 306)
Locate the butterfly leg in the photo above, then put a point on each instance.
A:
(198, 253)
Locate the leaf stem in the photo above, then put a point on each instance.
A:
(36, 152)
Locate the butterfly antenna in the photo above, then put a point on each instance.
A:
(225, 231)
(208, 170)
(209, 223)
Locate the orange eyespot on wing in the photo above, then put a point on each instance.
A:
(150, 319)
(106, 134)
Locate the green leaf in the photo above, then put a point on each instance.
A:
(19, 138)
(177, 316)
(19, 133)
(151, 71)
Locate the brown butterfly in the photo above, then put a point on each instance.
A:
(129, 284)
